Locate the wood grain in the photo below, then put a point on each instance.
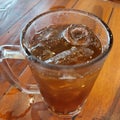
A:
(115, 63)
(117, 1)
(98, 7)
(16, 10)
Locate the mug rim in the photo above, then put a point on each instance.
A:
(57, 66)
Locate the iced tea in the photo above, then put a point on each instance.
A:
(70, 44)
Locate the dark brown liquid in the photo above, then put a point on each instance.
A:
(65, 45)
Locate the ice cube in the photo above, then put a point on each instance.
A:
(77, 34)
(42, 52)
(50, 38)
(75, 55)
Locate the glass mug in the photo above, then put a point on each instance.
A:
(64, 87)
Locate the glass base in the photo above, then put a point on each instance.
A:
(40, 111)
(69, 115)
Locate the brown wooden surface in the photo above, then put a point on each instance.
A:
(104, 100)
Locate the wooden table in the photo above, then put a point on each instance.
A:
(104, 100)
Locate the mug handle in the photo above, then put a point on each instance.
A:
(14, 52)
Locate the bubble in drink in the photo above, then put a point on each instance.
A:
(66, 44)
